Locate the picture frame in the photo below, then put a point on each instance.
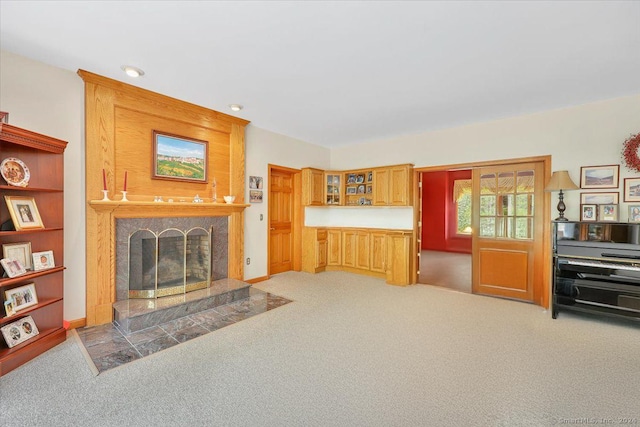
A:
(608, 212)
(24, 212)
(179, 158)
(43, 260)
(588, 212)
(18, 251)
(351, 178)
(8, 308)
(369, 176)
(255, 196)
(19, 331)
(634, 213)
(599, 198)
(351, 190)
(607, 176)
(361, 189)
(632, 189)
(360, 178)
(12, 267)
(255, 182)
(22, 297)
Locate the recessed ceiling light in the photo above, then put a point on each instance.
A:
(236, 107)
(132, 71)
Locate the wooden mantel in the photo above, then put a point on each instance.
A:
(119, 124)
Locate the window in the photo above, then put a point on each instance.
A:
(462, 198)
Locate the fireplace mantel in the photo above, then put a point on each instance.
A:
(143, 209)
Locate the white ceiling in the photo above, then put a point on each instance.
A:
(336, 73)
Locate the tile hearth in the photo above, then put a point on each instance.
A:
(108, 346)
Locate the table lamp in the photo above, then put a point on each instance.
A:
(560, 181)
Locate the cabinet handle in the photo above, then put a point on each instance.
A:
(272, 228)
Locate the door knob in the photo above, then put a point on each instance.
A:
(272, 228)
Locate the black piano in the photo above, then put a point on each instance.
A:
(596, 268)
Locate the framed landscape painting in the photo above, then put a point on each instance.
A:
(599, 176)
(179, 158)
(599, 198)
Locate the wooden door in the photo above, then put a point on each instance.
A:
(334, 255)
(349, 248)
(378, 252)
(362, 250)
(508, 233)
(381, 187)
(280, 220)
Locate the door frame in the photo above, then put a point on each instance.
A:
(541, 293)
(297, 217)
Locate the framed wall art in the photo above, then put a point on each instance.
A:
(18, 251)
(632, 189)
(600, 176)
(22, 297)
(255, 196)
(179, 158)
(24, 212)
(634, 213)
(599, 198)
(608, 212)
(19, 331)
(255, 182)
(588, 212)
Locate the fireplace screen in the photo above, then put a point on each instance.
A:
(168, 263)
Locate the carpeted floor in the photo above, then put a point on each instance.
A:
(352, 351)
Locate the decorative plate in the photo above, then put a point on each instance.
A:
(15, 172)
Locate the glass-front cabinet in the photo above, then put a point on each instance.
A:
(334, 181)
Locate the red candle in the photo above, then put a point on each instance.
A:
(125, 180)
(104, 180)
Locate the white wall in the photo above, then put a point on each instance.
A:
(50, 101)
(264, 148)
(586, 135)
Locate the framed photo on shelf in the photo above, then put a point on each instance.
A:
(370, 177)
(18, 251)
(351, 190)
(588, 212)
(19, 331)
(22, 297)
(24, 212)
(361, 189)
(599, 198)
(8, 308)
(632, 189)
(600, 176)
(634, 213)
(360, 178)
(179, 158)
(351, 178)
(43, 260)
(608, 212)
(12, 267)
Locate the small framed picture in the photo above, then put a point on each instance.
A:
(22, 297)
(588, 212)
(13, 267)
(24, 212)
(370, 177)
(351, 178)
(608, 212)
(43, 260)
(19, 331)
(599, 176)
(351, 190)
(360, 178)
(18, 251)
(634, 213)
(8, 308)
(361, 189)
(599, 198)
(255, 182)
(255, 196)
(632, 189)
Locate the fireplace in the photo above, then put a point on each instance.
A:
(157, 257)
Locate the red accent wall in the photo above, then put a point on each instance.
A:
(439, 212)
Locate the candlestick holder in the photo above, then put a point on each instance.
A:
(105, 196)
(124, 196)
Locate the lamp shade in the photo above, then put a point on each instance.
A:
(559, 181)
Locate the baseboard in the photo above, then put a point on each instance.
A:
(257, 279)
(78, 323)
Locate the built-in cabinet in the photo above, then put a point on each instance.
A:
(375, 252)
(44, 157)
(382, 186)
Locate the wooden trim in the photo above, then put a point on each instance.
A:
(77, 323)
(257, 279)
(482, 164)
(27, 138)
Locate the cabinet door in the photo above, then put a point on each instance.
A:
(334, 250)
(378, 252)
(349, 248)
(312, 187)
(398, 256)
(381, 187)
(399, 186)
(321, 253)
(362, 250)
(333, 188)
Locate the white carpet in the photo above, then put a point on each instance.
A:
(352, 351)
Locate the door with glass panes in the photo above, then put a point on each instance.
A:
(508, 238)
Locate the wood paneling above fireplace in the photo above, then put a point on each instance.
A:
(119, 124)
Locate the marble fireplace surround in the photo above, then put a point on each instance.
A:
(101, 292)
(125, 227)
